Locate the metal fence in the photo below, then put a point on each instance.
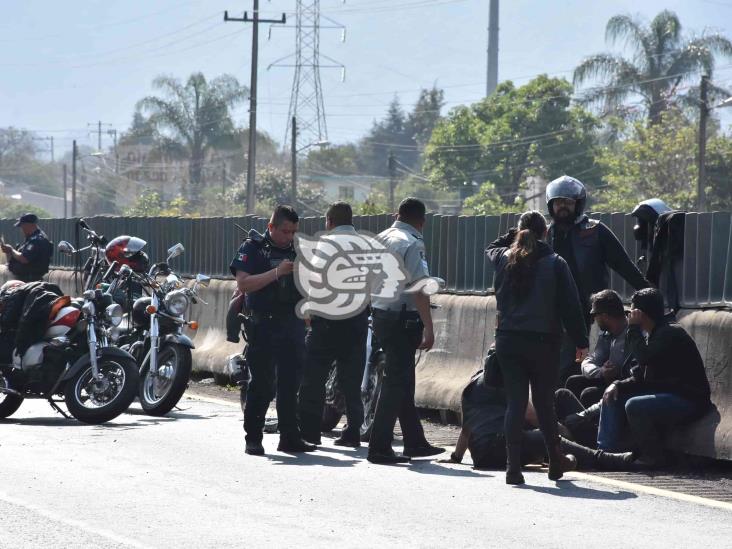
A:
(455, 246)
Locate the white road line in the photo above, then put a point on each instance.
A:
(109, 535)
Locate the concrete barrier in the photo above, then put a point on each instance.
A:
(464, 329)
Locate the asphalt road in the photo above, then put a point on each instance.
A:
(184, 481)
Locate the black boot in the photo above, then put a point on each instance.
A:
(513, 464)
(559, 463)
(587, 458)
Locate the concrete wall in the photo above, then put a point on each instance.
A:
(464, 327)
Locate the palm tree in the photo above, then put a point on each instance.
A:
(192, 118)
(663, 62)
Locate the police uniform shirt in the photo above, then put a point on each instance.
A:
(250, 258)
(407, 242)
(37, 249)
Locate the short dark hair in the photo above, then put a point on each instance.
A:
(412, 210)
(608, 302)
(650, 301)
(283, 213)
(340, 213)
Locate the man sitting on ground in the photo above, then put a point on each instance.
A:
(667, 389)
(609, 359)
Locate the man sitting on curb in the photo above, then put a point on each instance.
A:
(609, 359)
(484, 409)
(667, 389)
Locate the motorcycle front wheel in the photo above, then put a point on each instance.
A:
(370, 396)
(96, 401)
(160, 393)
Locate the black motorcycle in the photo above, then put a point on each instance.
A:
(74, 364)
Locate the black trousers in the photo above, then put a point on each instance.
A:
(529, 359)
(588, 390)
(399, 338)
(342, 341)
(275, 356)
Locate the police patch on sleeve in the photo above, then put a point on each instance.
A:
(242, 257)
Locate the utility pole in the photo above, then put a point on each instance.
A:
(223, 177)
(293, 154)
(251, 161)
(65, 198)
(703, 116)
(492, 74)
(74, 154)
(98, 131)
(113, 133)
(392, 179)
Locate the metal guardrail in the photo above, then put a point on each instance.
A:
(455, 246)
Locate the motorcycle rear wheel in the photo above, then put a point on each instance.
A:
(174, 367)
(9, 404)
(370, 398)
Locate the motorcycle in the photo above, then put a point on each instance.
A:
(155, 336)
(74, 364)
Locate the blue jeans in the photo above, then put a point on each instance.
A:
(643, 416)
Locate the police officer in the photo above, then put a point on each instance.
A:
(263, 268)
(342, 340)
(402, 327)
(29, 261)
(589, 247)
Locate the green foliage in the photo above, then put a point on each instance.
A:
(488, 202)
(193, 118)
(150, 204)
(339, 159)
(662, 63)
(19, 165)
(719, 174)
(514, 133)
(12, 209)
(657, 161)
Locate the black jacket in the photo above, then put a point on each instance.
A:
(25, 311)
(594, 248)
(669, 362)
(551, 302)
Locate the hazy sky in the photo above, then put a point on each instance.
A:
(65, 64)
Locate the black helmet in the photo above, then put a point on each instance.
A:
(567, 187)
(647, 213)
(140, 316)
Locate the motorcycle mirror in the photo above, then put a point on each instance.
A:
(203, 280)
(65, 248)
(175, 251)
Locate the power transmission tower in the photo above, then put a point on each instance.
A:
(251, 160)
(306, 99)
(492, 72)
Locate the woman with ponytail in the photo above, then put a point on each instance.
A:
(536, 296)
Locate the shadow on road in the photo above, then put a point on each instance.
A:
(310, 459)
(567, 489)
(427, 467)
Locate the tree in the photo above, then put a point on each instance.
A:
(514, 133)
(488, 202)
(151, 204)
(19, 164)
(663, 62)
(12, 209)
(425, 115)
(657, 161)
(719, 173)
(339, 159)
(193, 118)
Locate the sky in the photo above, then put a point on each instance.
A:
(67, 64)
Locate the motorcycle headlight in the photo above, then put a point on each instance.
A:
(113, 314)
(176, 302)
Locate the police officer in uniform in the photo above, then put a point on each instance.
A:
(342, 340)
(589, 247)
(402, 327)
(29, 261)
(263, 268)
